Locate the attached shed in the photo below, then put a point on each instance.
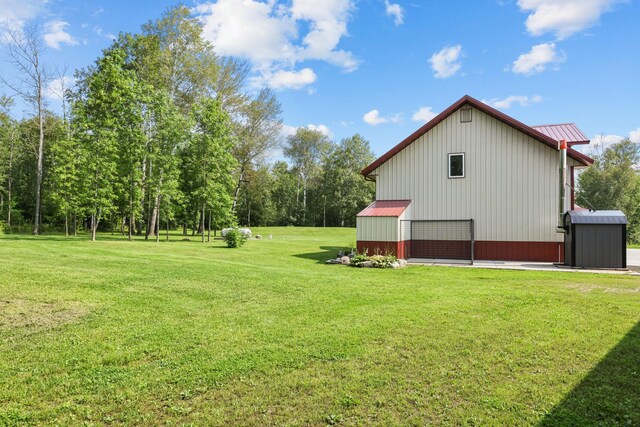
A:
(595, 239)
(379, 227)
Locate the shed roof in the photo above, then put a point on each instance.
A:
(597, 217)
(567, 131)
(386, 208)
(467, 100)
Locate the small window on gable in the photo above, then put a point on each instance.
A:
(465, 115)
(456, 165)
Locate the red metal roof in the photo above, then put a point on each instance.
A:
(528, 130)
(385, 208)
(567, 131)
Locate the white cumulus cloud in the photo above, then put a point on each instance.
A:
(55, 89)
(563, 17)
(374, 118)
(634, 136)
(537, 59)
(286, 79)
(55, 34)
(395, 10)
(506, 103)
(323, 129)
(424, 114)
(277, 36)
(446, 63)
(16, 12)
(288, 130)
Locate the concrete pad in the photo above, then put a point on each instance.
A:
(633, 257)
(513, 265)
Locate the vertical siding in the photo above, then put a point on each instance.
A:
(510, 187)
(377, 229)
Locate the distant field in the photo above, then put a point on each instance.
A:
(179, 332)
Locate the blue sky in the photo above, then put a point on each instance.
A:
(383, 67)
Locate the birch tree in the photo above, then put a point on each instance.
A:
(305, 149)
(25, 49)
(211, 162)
(258, 132)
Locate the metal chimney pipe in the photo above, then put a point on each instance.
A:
(562, 184)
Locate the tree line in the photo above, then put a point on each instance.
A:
(160, 133)
(613, 182)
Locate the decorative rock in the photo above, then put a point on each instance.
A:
(258, 237)
(402, 262)
(345, 260)
(395, 264)
(333, 261)
(366, 264)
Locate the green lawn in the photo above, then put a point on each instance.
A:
(139, 333)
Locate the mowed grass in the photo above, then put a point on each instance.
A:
(184, 333)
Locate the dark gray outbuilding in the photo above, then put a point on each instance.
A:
(595, 239)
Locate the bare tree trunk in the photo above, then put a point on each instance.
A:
(154, 214)
(94, 226)
(167, 229)
(324, 212)
(66, 225)
(36, 225)
(156, 225)
(209, 228)
(131, 222)
(75, 225)
(304, 203)
(9, 186)
(202, 223)
(184, 229)
(236, 192)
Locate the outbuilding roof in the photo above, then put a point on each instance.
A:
(567, 131)
(467, 100)
(597, 217)
(386, 208)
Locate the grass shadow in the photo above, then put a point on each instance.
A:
(609, 394)
(328, 252)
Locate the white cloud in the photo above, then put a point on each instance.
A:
(506, 103)
(396, 11)
(55, 88)
(424, 114)
(374, 118)
(267, 34)
(602, 141)
(99, 31)
(288, 130)
(634, 136)
(446, 63)
(537, 60)
(563, 17)
(16, 12)
(285, 79)
(55, 34)
(321, 128)
(328, 24)
(251, 29)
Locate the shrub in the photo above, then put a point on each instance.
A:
(383, 261)
(3, 227)
(234, 238)
(376, 261)
(358, 259)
